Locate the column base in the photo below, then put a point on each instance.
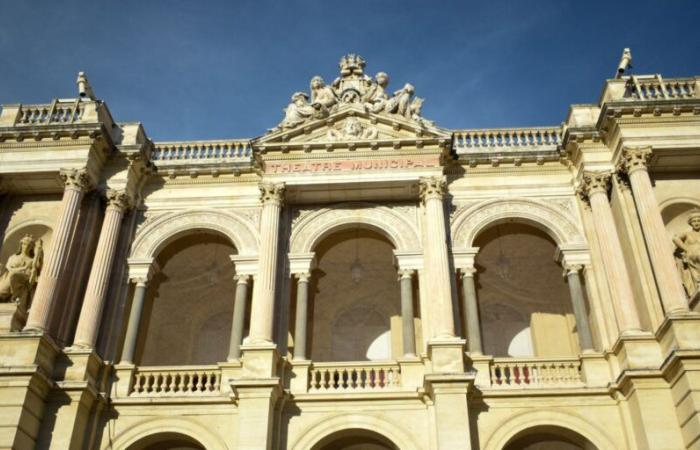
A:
(446, 355)
(637, 351)
(259, 360)
(679, 332)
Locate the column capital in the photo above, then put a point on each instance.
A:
(272, 193)
(406, 273)
(242, 278)
(118, 200)
(77, 179)
(432, 187)
(467, 272)
(302, 277)
(572, 269)
(141, 270)
(634, 158)
(594, 183)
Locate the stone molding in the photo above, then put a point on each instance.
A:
(156, 234)
(313, 227)
(470, 222)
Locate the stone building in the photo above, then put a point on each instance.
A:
(355, 278)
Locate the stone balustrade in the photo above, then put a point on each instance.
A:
(525, 373)
(202, 150)
(175, 381)
(333, 377)
(57, 112)
(656, 88)
(505, 139)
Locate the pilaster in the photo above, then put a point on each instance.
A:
(449, 394)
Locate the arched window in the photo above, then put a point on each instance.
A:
(355, 312)
(189, 304)
(167, 441)
(548, 438)
(355, 440)
(524, 301)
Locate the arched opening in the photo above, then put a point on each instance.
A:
(355, 308)
(524, 301)
(548, 438)
(189, 303)
(355, 439)
(167, 441)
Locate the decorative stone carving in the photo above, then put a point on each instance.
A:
(688, 254)
(432, 187)
(352, 87)
(352, 129)
(634, 159)
(594, 182)
(75, 179)
(272, 193)
(117, 199)
(19, 276)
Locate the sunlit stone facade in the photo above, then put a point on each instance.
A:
(355, 278)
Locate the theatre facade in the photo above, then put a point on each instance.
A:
(356, 278)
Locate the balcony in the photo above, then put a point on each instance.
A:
(195, 157)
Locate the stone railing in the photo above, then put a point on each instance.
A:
(507, 139)
(656, 88)
(204, 151)
(57, 112)
(175, 381)
(354, 377)
(521, 373)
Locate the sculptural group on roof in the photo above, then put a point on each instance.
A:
(352, 86)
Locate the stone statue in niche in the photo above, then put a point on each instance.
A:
(19, 276)
(688, 254)
(353, 86)
(352, 129)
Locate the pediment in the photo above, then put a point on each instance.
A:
(352, 124)
(354, 110)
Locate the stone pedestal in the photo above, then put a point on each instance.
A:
(299, 376)
(256, 404)
(481, 366)
(230, 371)
(412, 372)
(259, 361)
(449, 395)
(122, 379)
(446, 355)
(595, 369)
(679, 332)
(25, 382)
(11, 318)
(639, 351)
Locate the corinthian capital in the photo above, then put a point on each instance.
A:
(593, 183)
(272, 193)
(117, 199)
(634, 159)
(432, 187)
(75, 179)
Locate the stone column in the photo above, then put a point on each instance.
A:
(239, 314)
(578, 304)
(96, 291)
(407, 328)
(471, 311)
(432, 192)
(302, 316)
(595, 189)
(76, 183)
(262, 314)
(132, 329)
(634, 162)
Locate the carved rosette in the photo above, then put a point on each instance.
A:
(634, 159)
(432, 188)
(593, 183)
(77, 179)
(272, 193)
(117, 200)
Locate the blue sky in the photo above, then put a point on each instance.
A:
(210, 70)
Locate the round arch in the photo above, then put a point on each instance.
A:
(156, 235)
(520, 423)
(324, 428)
(471, 221)
(193, 430)
(314, 227)
(38, 228)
